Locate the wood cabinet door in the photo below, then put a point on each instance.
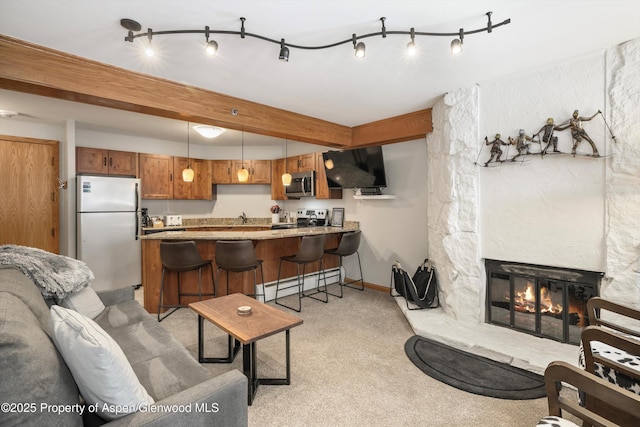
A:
(220, 171)
(277, 169)
(236, 165)
(123, 163)
(156, 175)
(293, 164)
(91, 160)
(200, 188)
(307, 162)
(29, 205)
(260, 172)
(322, 189)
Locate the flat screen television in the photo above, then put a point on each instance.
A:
(361, 168)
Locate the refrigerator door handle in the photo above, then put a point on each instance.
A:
(136, 213)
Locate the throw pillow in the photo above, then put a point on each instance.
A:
(85, 301)
(98, 365)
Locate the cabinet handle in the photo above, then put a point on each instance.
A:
(110, 161)
(170, 177)
(228, 171)
(104, 161)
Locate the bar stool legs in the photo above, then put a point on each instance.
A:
(349, 244)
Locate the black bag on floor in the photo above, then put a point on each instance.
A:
(421, 289)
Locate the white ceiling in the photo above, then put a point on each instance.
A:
(327, 84)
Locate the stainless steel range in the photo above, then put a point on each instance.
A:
(312, 217)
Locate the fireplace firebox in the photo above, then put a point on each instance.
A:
(549, 302)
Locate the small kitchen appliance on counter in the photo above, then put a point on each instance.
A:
(173, 220)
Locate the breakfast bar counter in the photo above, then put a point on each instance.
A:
(270, 245)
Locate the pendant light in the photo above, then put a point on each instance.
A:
(243, 173)
(286, 176)
(188, 173)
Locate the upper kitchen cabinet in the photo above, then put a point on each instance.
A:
(259, 171)
(106, 162)
(302, 163)
(200, 188)
(156, 175)
(277, 188)
(220, 171)
(322, 189)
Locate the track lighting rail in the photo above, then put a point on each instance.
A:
(134, 32)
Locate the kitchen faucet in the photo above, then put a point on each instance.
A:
(243, 217)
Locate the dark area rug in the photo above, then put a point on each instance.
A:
(473, 373)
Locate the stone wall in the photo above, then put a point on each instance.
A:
(593, 221)
(453, 195)
(622, 280)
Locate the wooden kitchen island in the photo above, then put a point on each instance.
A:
(270, 246)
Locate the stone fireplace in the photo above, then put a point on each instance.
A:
(548, 302)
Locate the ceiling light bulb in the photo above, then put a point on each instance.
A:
(188, 174)
(411, 48)
(456, 47)
(209, 131)
(211, 48)
(149, 51)
(243, 175)
(360, 48)
(286, 179)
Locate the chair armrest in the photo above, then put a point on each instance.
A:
(116, 296)
(627, 404)
(218, 401)
(629, 346)
(596, 305)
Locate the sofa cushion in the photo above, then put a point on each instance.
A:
(16, 283)
(170, 373)
(32, 369)
(100, 368)
(85, 301)
(122, 314)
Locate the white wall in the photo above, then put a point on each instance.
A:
(550, 210)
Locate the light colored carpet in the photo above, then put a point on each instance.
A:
(349, 368)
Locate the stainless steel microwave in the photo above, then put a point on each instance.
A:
(303, 184)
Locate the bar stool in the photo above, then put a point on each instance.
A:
(238, 256)
(180, 257)
(349, 244)
(311, 250)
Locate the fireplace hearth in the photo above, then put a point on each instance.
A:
(549, 302)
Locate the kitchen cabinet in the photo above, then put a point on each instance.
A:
(277, 169)
(220, 171)
(156, 175)
(200, 188)
(322, 189)
(302, 163)
(259, 171)
(106, 162)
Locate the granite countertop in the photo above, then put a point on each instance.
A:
(248, 235)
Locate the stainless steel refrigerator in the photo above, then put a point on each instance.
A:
(108, 230)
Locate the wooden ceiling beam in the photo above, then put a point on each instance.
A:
(30, 68)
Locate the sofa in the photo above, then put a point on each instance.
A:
(39, 388)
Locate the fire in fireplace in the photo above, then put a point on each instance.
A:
(550, 302)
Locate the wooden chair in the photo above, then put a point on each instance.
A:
(615, 358)
(595, 307)
(626, 404)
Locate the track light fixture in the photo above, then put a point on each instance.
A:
(134, 29)
(284, 52)
(212, 46)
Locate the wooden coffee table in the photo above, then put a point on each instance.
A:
(263, 321)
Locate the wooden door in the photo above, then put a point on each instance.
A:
(220, 171)
(277, 169)
(156, 175)
(322, 188)
(123, 163)
(261, 171)
(200, 188)
(91, 160)
(29, 206)
(307, 162)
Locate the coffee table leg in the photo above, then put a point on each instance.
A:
(249, 368)
(232, 349)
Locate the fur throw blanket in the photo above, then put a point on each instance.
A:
(55, 275)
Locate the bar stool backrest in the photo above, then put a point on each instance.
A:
(180, 256)
(349, 243)
(311, 248)
(236, 255)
